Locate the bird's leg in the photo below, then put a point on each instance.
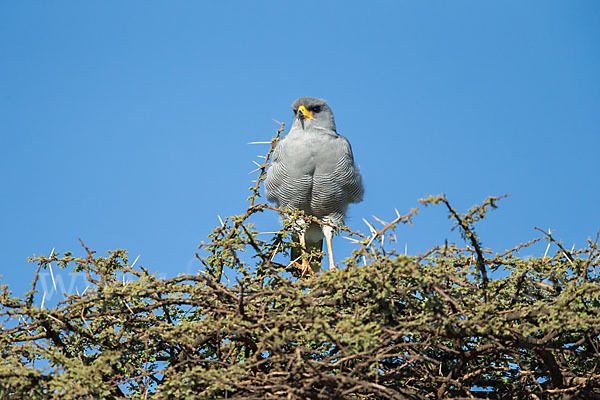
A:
(328, 233)
(305, 264)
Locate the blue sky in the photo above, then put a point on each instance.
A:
(126, 124)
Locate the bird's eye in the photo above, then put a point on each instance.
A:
(316, 109)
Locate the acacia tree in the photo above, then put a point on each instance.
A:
(385, 326)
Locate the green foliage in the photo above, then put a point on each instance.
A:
(386, 326)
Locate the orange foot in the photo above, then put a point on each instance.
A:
(304, 267)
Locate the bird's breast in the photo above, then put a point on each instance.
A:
(309, 153)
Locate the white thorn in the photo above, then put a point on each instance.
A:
(371, 240)
(267, 233)
(257, 164)
(397, 213)
(263, 157)
(136, 260)
(52, 272)
(294, 261)
(221, 220)
(568, 258)
(259, 143)
(275, 251)
(84, 290)
(43, 299)
(370, 226)
(384, 223)
(406, 248)
(364, 260)
(546, 252)
(350, 239)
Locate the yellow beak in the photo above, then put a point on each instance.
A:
(305, 113)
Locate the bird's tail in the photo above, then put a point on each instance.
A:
(312, 247)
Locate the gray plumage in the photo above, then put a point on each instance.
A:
(313, 168)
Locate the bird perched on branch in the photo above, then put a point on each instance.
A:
(313, 171)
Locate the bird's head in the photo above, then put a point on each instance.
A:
(310, 112)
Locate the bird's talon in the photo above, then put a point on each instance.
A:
(304, 269)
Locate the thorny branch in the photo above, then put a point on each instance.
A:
(399, 327)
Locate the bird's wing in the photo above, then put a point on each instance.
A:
(337, 181)
(349, 173)
(287, 184)
(276, 174)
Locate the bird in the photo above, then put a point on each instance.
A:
(313, 170)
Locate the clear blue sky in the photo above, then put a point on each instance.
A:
(125, 123)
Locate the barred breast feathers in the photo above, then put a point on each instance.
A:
(325, 178)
